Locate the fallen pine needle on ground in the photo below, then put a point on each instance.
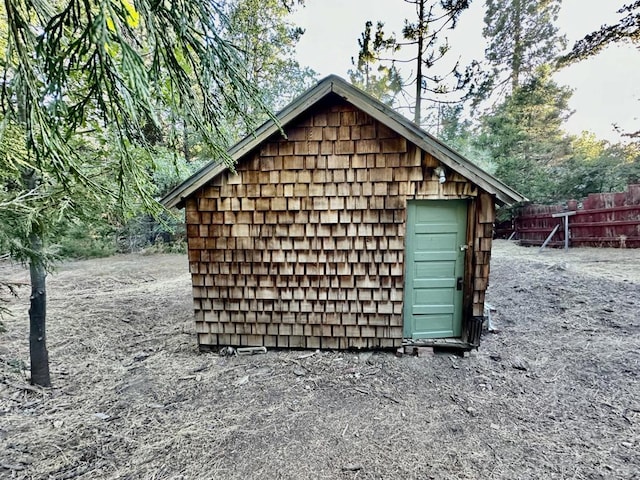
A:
(555, 393)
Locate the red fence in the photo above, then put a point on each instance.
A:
(601, 220)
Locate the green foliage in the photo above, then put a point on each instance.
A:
(459, 134)
(174, 246)
(141, 84)
(87, 82)
(370, 74)
(90, 89)
(86, 240)
(595, 166)
(524, 135)
(170, 170)
(524, 132)
(113, 66)
(103, 234)
(267, 41)
(521, 38)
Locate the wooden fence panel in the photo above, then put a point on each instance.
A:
(535, 222)
(603, 220)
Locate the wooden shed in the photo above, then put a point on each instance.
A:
(356, 229)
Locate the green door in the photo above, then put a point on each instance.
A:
(435, 251)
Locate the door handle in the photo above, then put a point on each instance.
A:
(464, 247)
(459, 283)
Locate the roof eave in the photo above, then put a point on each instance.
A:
(177, 196)
(452, 159)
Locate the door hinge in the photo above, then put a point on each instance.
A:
(459, 283)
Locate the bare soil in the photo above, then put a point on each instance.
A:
(554, 394)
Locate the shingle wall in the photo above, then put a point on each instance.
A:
(304, 246)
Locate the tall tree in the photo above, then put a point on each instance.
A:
(521, 37)
(267, 41)
(102, 70)
(432, 18)
(524, 135)
(424, 37)
(381, 80)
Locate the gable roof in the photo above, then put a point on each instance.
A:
(377, 110)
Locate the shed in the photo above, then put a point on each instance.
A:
(355, 229)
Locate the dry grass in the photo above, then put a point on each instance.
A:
(133, 398)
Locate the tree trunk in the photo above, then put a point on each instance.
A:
(417, 115)
(185, 141)
(518, 48)
(38, 306)
(37, 319)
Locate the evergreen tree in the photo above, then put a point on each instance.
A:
(424, 34)
(524, 135)
(524, 132)
(99, 73)
(521, 37)
(370, 73)
(459, 134)
(595, 166)
(267, 42)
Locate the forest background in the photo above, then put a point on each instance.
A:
(505, 111)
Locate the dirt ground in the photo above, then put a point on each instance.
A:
(554, 394)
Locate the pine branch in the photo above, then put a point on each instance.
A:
(626, 30)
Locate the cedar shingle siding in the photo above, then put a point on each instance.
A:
(304, 246)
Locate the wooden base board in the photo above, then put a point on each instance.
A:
(438, 343)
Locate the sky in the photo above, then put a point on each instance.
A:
(606, 88)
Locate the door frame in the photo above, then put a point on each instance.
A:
(467, 291)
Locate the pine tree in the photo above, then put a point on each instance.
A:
(524, 135)
(425, 33)
(424, 37)
(521, 37)
(99, 72)
(370, 73)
